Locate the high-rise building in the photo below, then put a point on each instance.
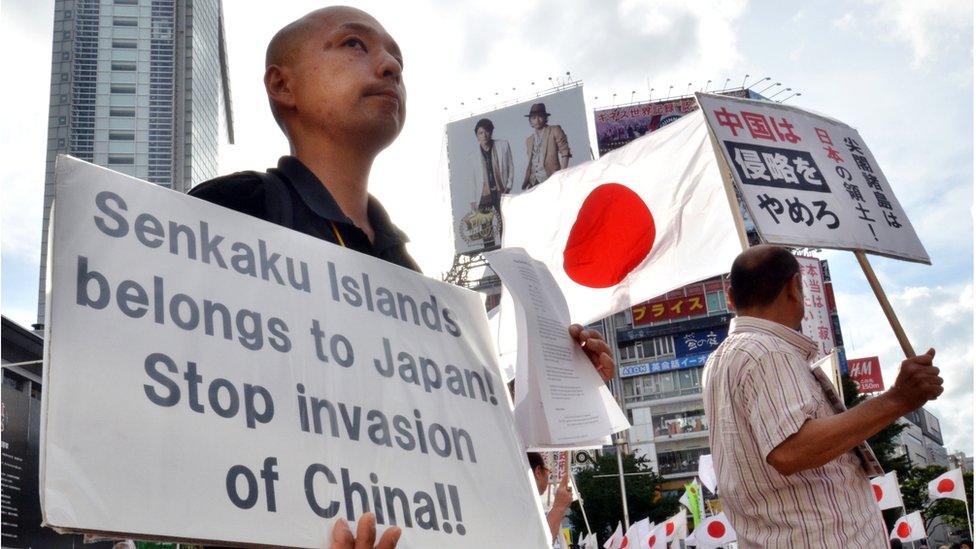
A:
(140, 87)
(921, 439)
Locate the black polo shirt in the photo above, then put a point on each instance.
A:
(313, 211)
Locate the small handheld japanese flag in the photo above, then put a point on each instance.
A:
(637, 532)
(616, 540)
(886, 491)
(714, 531)
(706, 472)
(676, 527)
(948, 485)
(590, 542)
(909, 528)
(649, 217)
(657, 538)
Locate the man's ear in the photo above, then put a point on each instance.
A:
(278, 83)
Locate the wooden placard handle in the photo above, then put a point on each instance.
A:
(879, 293)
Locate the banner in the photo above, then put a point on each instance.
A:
(808, 180)
(699, 341)
(669, 309)
(210, 376)
(816, 316)
(866, 374)
(665, 365)
(617, 126)
(501, 153)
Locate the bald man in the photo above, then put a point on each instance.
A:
(784, 454)
(334, 80)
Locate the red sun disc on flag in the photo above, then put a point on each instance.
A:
(624, 544)
(945, 486)
(669, 528)
(903, 530)
(651, 540)
(878, 492)
(613, 233)
(716, 530)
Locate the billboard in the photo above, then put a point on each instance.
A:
(866, 374)
(668, 309)
(816, 317)
(617, 126)
(664, 365)
(509, 151)
(931, 426)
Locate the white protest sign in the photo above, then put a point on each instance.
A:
(211, 376)
(816, 314)
(808, 180)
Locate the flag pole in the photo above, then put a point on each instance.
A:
(889, 312)
(965, 501)
(572, 479)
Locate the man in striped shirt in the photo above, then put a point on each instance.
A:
(783, 455)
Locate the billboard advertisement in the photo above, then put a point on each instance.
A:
(816, 317)
(699, 341)
(617, 126)
(509, 151)
(866, 374)
(664, 365)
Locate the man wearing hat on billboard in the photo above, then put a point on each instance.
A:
(547, 148)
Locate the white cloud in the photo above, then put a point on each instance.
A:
(927, 27)
(938, 317)
(845, 22)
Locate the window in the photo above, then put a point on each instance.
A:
(121, 112)
(123, 88)
(124, 44)
(121, 160)
(127, 2)
(65, 55)
(121, 136)
(716, 301)
(648, 348)
(122, 66)
(125, 22)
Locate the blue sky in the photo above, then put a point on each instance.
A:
(900, 71)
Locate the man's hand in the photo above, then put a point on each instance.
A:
(563, 496)
(365, 535)
(918, 382)
(596, 349)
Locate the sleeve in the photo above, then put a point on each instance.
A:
(242, 192)
(562, 142)
(777, 399)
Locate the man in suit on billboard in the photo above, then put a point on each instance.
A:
(547, 148)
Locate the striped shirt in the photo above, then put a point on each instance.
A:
(759, 390)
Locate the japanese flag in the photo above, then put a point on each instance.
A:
(616, 540)
(706, 472)
(676, 527)
(637, 532)
(909, 528)
(589, 542)
(656, 538)
(948, 485)
(886, 491)
(714, 531)
(644, 219)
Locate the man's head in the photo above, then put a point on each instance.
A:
(336, 72)
(538, 117)
(539, 471)
(766, 283)
(483, 130)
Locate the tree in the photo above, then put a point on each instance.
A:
(601, 495)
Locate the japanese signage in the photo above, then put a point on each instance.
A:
(509, 151)
(866, 374)
(617, 126)
(702, 341)
(666, 365)
(299, 382)
(816, 316)
(808, 180)
(669, 309)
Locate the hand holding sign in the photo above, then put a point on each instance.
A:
(918, 382)
(596, 350)
(365, 535)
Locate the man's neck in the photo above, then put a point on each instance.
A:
(786, 318)
(344, 171)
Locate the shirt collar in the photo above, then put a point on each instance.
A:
(745, 324)
(318, 198)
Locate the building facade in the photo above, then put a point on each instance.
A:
(921, 439)
(140, 87)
